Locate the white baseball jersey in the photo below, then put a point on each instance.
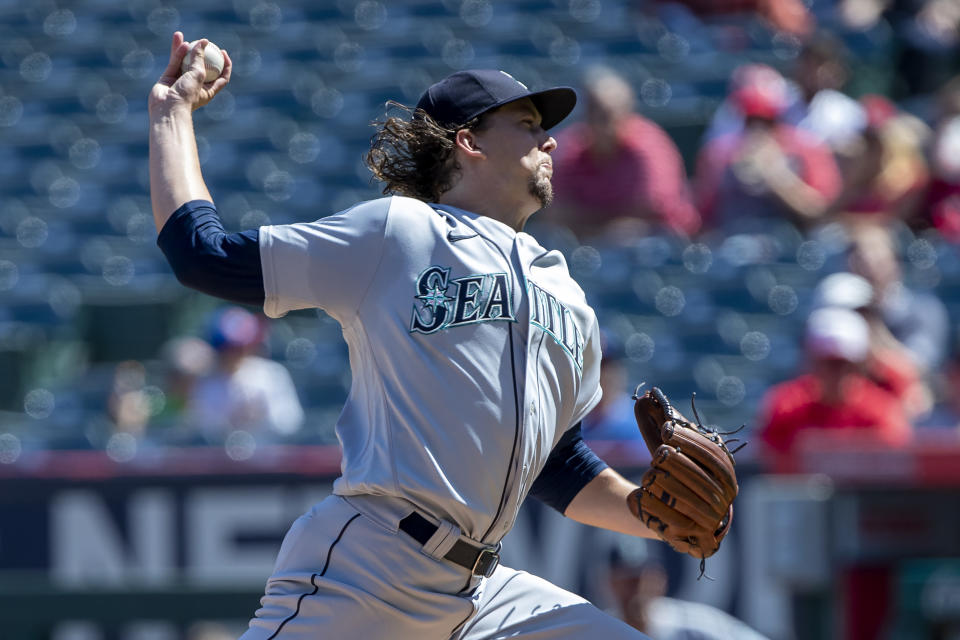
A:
(471, 347)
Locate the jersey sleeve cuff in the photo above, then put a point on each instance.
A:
(571, 466)
(181, 223)
(271, 301)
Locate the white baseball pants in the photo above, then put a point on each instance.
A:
(345, 572)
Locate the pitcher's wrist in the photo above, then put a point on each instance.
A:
(169, 110)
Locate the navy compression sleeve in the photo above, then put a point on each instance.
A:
(570, 467)
(205, 257)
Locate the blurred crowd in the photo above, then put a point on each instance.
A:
(217, 389)
(794, 147)
(805, 142)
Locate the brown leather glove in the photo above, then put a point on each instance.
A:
(687, 494)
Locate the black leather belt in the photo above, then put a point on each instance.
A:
(480, 562)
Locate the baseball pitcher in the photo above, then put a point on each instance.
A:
(474, 358)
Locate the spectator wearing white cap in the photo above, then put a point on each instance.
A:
(616, 173)
(889, 363)
(835, 395)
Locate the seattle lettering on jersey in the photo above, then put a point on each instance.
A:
(445, 303)
(556, 320)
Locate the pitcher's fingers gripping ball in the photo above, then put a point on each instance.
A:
(212, 61)
(687, 494)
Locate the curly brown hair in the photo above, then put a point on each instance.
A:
(413, 155)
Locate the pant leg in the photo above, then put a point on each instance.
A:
(516, 604)
(341, 575)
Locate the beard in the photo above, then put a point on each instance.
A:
(542, 189)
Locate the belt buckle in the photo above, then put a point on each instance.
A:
(487, 562)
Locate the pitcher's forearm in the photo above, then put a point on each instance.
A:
(175, 176)
(603, 503)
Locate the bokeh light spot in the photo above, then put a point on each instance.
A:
(670, 301)
(39, 403)
(240, 445)
(9, 275)
(118, 270)
(755, 345)
(300, 353)
(697, 258)
(36, 67)
(32, 232)
(782, 299)
(10, 448)
(811, 255)
(731, 391)
(639, 347)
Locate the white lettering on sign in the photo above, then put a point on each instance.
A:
(227, 534)
(217, 519)
(87, 546)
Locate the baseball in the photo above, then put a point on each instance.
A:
(212, 61)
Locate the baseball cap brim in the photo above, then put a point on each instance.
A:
(465, 95)
(554, 104)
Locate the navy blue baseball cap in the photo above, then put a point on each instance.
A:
(464, 95)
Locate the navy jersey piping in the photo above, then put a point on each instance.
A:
(516, 397)
(539, 407)
(516, 439)
(313, 580)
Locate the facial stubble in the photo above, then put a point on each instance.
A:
(542, 189)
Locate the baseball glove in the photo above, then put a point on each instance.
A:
(687, 494)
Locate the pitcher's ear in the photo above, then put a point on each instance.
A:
(466, 140)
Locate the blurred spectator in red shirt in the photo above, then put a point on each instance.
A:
(769, 170)
(835, 395)
(885, 174)
(617, 168)
(790, 16)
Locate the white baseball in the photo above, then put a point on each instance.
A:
(212, 61)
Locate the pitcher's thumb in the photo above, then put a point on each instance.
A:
(196, 62)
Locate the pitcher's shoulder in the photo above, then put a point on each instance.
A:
(391, 215)
(417, 221)
(411, 209)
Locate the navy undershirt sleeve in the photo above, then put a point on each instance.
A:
(205, 257)
(570, 467)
